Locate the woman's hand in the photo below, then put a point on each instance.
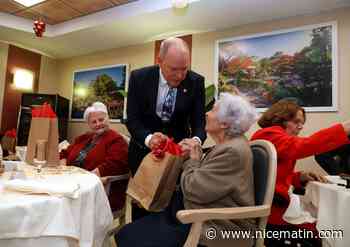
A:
(185, 148)
(191, 148)
(310, 176)
(96, 172)
(346, 126)
(196, 152)
(63, 162)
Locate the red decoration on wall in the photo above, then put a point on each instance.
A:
(39, 28)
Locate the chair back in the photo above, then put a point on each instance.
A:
(265, 169)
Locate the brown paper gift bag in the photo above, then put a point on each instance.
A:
(43, 126)
(155, 180)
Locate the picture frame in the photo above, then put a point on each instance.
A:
(298, 64)
(107, 84)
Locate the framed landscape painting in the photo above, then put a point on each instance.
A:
(295, 64)
(104, 84)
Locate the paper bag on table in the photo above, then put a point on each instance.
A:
(43, 126)
(155, 179)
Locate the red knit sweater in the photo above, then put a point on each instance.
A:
(109, 155)
(291, 148)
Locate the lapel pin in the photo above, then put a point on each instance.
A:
(185, 90)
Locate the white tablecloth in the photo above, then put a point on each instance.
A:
(333, 209)
(42, 220)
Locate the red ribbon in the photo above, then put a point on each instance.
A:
(167, 146)
(11, 133)
(44, 111)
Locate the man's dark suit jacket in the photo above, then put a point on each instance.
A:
(188, 118)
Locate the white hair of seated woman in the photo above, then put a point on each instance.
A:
(237, 112)
(95, 107)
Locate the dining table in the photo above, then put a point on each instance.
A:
(332, 203)
(62, 206)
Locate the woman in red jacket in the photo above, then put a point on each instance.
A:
(281, 125)
(101, 151)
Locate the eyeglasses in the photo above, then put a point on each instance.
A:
(298, 122)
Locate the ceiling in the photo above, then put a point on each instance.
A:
(143, 21)
(57, 11)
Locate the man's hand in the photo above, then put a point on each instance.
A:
(156, 139)
(310, 176)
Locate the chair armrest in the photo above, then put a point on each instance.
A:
(107, 180)
(200, 215)
(110, 179)
(116, 178)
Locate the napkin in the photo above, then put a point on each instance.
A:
(43, 186)
(296, 212)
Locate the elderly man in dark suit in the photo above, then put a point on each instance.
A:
(165, 100)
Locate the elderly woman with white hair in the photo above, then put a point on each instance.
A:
(223, 177)
(101, 150)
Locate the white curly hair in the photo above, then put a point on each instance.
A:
(95, 107)
(237, 112)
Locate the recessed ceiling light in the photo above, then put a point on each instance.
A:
(29, 3)
(179, 4)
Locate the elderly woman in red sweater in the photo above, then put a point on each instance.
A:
(101, 150)
(281, 125)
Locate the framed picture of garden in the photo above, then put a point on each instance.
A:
(297, 64)
(105, 84)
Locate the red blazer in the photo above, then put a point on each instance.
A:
(109, 155)
(291, 148)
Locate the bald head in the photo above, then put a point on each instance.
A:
(176, 44)
(174, 59)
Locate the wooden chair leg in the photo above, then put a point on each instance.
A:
(195, 232)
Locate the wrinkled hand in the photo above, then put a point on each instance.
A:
(185, 148)
(191, 148)
(310, 176)
(63, 162)
(96, 172)
(156, 139)
(346, 126)
(196, 152)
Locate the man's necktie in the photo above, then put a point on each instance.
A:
(168, 104)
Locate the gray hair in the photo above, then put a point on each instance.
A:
(172, 42)
(95, 107)
(237, 112)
